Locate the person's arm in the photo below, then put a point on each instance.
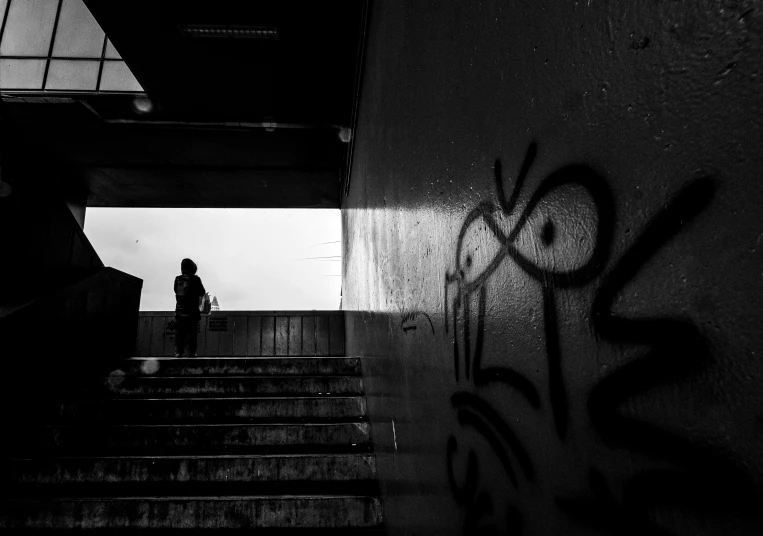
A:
(202, 291)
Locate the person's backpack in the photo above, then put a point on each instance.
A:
(183, 285)
(205, 307)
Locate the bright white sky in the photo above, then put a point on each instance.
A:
(249, 259)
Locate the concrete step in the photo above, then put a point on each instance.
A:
(216, 386)
(190, 469)
(195, 438)
(239, 366)
(191, 489)
(213, 410)
(198, 512)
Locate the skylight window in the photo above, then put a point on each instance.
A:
(57, 45)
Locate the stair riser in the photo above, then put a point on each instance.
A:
(200, 366)
(202, 437)
(194, 490)
(206, 411)
(158, 470)
(212, 387)
(209, 514)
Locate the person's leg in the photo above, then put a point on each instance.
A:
(181, 334)
(193, 328)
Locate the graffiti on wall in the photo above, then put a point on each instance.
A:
(412, 320)
(536, 238)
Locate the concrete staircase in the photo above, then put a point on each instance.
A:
(277, 444)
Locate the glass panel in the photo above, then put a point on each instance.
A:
(111, 52)
(29, 28)
(117, 77)
(21, 74)
(72, 74)
(78, 35)
(3, 4)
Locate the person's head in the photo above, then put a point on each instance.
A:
(188, 267)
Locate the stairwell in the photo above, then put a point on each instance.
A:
(278, 443)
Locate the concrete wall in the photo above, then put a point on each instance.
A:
(56, 346)
(247, 333)
(63, 316)
(553, 264)
(43, 245)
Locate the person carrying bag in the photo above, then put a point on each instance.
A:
(205, 306)
(190, 303)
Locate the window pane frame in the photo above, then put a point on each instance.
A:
(111, 51)
(4, 7)
(111, 68)
(68, 81)
(26, 64)
(119, 78)
(77, 38)
(41, 33)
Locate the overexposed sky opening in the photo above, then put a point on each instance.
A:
(251, 259)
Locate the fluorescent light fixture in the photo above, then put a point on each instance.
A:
(230, 32)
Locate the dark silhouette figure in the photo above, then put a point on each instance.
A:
(188, 290)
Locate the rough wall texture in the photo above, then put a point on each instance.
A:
(553, 262)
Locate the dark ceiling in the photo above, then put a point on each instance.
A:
(304, 76)
(236, 122)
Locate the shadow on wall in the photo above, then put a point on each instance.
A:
(679, 472)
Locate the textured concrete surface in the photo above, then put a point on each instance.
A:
(552, 261)
(232, 366)
(208, 513)
(247, 333)
(291, 460)
(250, 468)
(205, 386)
(211, 410)
(194, 437)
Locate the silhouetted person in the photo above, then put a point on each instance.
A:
(188, 290)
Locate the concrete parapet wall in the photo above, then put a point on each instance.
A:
(247, 333)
